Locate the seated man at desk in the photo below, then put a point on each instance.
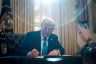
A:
(43, 42)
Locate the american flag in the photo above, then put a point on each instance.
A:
(6, 16)
(6, 7)
(82, 13)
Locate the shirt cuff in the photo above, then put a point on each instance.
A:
(58, 52)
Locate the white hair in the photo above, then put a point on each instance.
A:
(48, 21)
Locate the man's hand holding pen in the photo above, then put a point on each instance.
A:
(33, 53)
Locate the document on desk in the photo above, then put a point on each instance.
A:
(66, 55)
(39, 57)
(51, 56)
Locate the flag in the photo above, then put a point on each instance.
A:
(6, 8)
(6, 16)
(83, 32)
(82, 13)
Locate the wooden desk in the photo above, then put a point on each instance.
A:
(39, 60)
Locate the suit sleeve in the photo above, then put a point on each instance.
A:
(23, 46)
(59, 46)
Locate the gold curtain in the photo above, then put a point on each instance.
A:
(23, 15)
(64, 15)
(62, 11)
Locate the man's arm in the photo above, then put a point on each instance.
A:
(59, 47)
(55, 46)
(23, 46)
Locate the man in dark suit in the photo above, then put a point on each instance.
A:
(33, 43)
